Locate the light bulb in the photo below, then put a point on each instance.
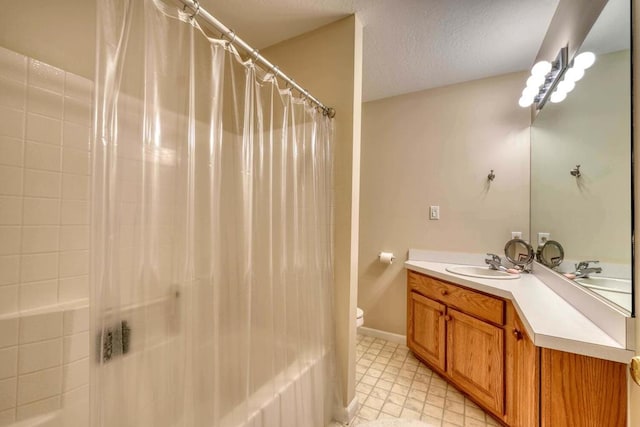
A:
(530, 92)
(525, 101)
(535, 81)
(541, 68)
(558, 96)
(566, 86)
(574, 74)
(584, 60)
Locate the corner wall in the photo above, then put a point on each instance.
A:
(328, 63)
(436, 147)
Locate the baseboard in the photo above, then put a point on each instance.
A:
(389, 336)
(345, 415)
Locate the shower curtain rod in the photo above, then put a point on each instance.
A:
(199, 12)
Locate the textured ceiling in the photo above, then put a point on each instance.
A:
(409, 45)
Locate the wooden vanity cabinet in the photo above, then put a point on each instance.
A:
(460, 334)
(478, 343)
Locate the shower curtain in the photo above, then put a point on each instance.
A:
(211, 232)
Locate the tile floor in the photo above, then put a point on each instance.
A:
(392, 383)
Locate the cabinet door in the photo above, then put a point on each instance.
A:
(475, 358)
(582, 391)
(426, 329)
(526, 357)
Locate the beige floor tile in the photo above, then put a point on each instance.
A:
(410, 414)
(392, 383)
(374, 402)
(392, 409)
(433, 410)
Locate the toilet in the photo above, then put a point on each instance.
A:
(359, 317)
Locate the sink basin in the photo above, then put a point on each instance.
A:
(481, 272)
(606, 284)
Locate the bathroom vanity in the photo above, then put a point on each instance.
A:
(482, 337)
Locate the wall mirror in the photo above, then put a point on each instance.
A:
(588, 209)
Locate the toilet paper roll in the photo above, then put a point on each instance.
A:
(386, 257)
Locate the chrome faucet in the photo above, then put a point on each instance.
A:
(495, 263)
(583, 269)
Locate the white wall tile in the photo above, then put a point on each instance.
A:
(10, 180)
(76, 321)
(78, 87)
(44, 129)
(12, 94)
(39, 385)
(75, 161)
(77, 111)
(10, 238)
(45, 76)
(8, 299)
(37, 267)
(42, 184)
(9, 269)
(37, 239)
(76, 136)
(39, 327)
(7, 417)
(76, 347)
(13, 65)
(74, 212)
(74, 263)
(38, 408)
(38, 211)
(75, 374)
(8, 362)
(10, 151)
(42, 156)
(44, 102)
(73, 288)
(40, 355)
(76, 407)
(38, 294)
(8, 332)
(75, 187)
(11, 122)
(10, 210)
(74, 237)
(7, 393)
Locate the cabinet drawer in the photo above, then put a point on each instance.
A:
(468, 301)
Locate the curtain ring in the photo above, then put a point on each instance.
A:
(196, 9)
(255, 54)
(274, 70)
(231, 40)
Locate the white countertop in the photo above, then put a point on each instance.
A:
(550, 321)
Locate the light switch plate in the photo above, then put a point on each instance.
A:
(434, 212)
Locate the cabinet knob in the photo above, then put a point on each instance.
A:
(517, 334)
(447, 318)
(441, 313)
(443, 292)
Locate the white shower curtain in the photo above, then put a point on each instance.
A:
(211, 233)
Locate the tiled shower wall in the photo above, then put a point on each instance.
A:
(45, 122)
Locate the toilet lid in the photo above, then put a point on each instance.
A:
(359, 312)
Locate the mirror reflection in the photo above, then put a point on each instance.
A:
(581, 165)
(551, 254)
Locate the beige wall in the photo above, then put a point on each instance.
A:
(328, 63)
(437, 147)
(60, 33)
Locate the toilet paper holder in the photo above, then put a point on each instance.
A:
(386, 257)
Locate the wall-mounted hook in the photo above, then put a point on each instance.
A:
(576, 171)
(491, 176)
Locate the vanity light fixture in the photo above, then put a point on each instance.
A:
(552, 81)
